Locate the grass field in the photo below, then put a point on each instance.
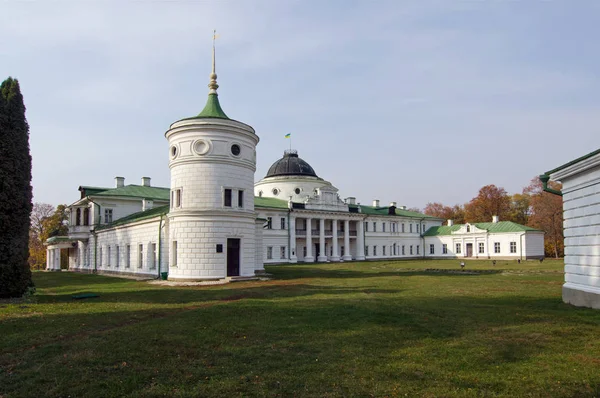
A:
(354, 329)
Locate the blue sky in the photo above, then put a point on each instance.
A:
(406, 101)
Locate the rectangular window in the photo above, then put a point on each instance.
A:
(403, 249)
(444, 248)
(411, 249)
(410, 228)
(374, 250)
(140, 256)
(174, 256)
(240, 198)
(458, 247)
(178, 198)
(269, 222)
(154, 258)
(100, 257)
(304, 251)
(128, 258)
(513, 247)
(394, 247)
(383, 248)
(417, 228)
(342, 250)
(374, 226)
(118, 259)
(402, 227)
(496, 247)
(269, 252)
(366, 227)
(366, 250)
(227, 197)
(418, 249)
(383, 228)
(432, 249)
(481, 248)
(108, 256)
(108, 213)
(282, 223)
(394, 227)
(282, 252)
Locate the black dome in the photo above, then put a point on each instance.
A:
(291, 165)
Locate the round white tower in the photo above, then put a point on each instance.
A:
(212, 223)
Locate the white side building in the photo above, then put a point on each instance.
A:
(580, 180)
(491, 240)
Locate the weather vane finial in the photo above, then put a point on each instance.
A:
(213, 86)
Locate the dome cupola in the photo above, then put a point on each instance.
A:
(291, 165)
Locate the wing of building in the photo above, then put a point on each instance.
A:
(580, 180)
(214, 222)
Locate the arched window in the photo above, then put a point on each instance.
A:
(86, 216)
(468, 228)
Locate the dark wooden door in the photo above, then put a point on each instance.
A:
(233, 257)
(469, 250)
(317, 249)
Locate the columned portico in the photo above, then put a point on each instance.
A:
(347, 256)
(322, 255)
(309, 256)
(334, 241)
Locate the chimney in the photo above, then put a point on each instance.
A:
(147, 204)
(146, 181)
(351, 200)
(494, 219)
(450, 223)
(394, 204)
(119, 182)
(375, 202)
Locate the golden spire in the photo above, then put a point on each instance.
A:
(212, 85)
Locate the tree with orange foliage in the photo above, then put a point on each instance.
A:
(547, 215)
(455, 213)
(491, 201)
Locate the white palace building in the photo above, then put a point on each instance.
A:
(215, 222)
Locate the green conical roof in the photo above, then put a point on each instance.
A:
(213, 108)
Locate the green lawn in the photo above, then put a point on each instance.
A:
(355, 329)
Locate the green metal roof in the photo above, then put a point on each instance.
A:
(572, 162)
(139, 216)
(138, 191)
(270, 203)
(213, 108)
(87, 191)
(59, 239)
(491, 227)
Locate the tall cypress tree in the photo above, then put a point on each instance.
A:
(15, 191)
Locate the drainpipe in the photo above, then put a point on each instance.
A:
(544, 178)
(95, 236)
(289, 236)
(160, 225)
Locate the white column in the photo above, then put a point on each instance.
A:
(57, 259)
(334, 241)
(292, 249)
(309, 257)
(48, 259)
(347, 256)
(360, 240)
(322, 255)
